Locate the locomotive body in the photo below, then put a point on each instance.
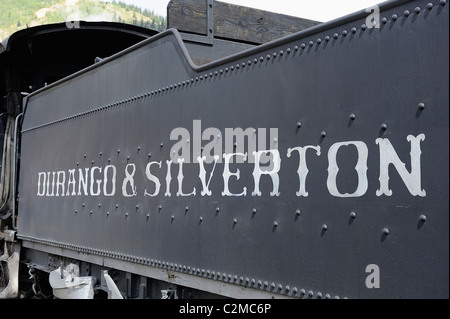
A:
(310, 166)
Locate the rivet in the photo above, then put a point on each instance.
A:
(385, 231)
(394, 17)
(353, 30)
(100, 154)
(384, 126)
(363, 26)
(118, 151)
(353, 215)
(302, 292)
(323, 134)
(288, 50)
(406, 13)
(299, 124)
(310, 294)
(126, 215)
(201, 219)
(159, 207)
(268, 57)
(335, 35)
(442, 2)
(319, 41)
(254, 211)
(327, 38)
(319, 295)
(423, 218)
(297, 212)
(186, 208)
(275, 224)
(430, 6)
(235, 221)
(352, 116)
(344, 33)
(422, 106)
(417, 10)
(281, 52)
(310, 43)
(384, 20)
(296, 48)
(217, 209)
(324, 227)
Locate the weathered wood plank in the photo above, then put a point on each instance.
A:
(233, 22)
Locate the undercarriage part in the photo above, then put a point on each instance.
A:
(9, 271)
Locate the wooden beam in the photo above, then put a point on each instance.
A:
(233, 22)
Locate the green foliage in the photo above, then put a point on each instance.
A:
(16, 15)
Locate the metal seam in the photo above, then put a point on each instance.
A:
(284, 290)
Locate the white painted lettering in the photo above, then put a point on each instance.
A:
(361, 169)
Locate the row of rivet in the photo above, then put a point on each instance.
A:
(275, 224)
(218, 276)
(216, 73)
(323, 134)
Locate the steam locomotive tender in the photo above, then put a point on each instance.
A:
(239, 153)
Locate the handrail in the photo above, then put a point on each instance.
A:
(14, 171)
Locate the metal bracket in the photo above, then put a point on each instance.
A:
(210, 18)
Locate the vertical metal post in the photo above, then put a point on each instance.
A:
(210, 18)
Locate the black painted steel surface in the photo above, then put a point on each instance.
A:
(356, 121)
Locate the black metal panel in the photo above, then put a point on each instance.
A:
(352, 97)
